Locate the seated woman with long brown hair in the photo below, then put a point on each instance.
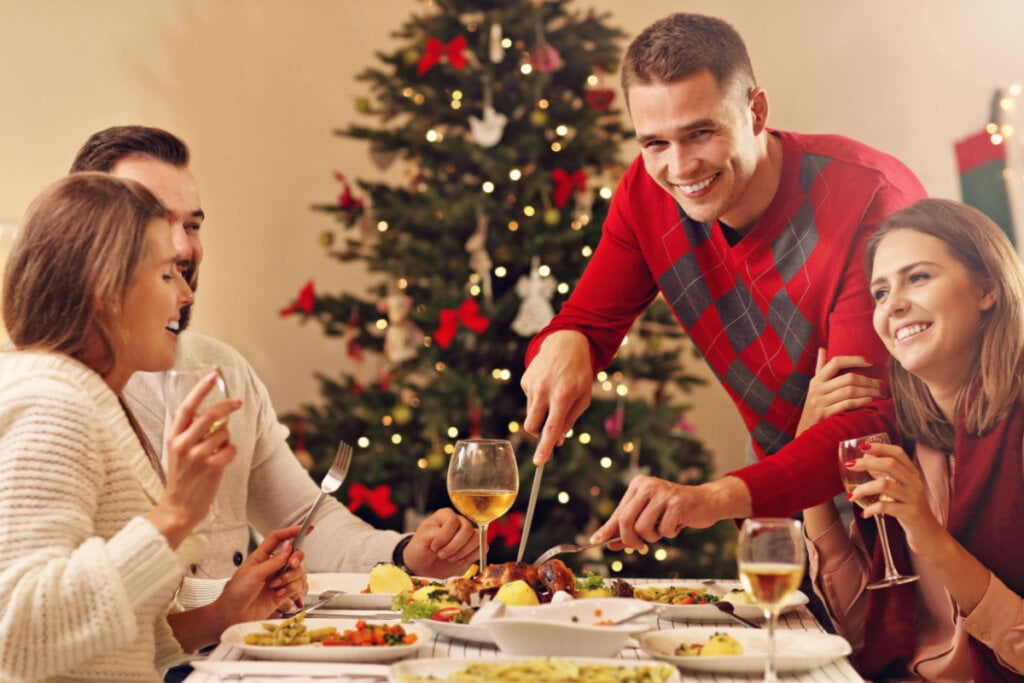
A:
(93, 545)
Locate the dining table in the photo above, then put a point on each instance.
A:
(229, 662)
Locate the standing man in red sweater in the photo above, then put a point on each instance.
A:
(754, 237)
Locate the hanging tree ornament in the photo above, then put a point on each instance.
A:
(599, 98)
(495, 49)
(403, 338)
(535, 311)
(382, 158)
(488, 129)
(479, 260)
(350, 337)
(544, 57)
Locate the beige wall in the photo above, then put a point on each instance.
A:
(256, 87)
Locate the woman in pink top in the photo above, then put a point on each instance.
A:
(949, 306)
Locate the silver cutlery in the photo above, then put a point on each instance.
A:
(528, 520)
(562, 548)
(320, 601)
(329, 484)
(730, 609)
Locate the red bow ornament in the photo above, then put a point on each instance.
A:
(435, 49)
(378, 498)
(304, 302)
(509, 527)
(346, 200)
(468, 313)
(566, 183)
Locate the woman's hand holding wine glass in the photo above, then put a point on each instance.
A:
(854, 475)
(483, 481)
(198, 449)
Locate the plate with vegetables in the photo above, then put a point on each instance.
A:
(327, 640)
(694, 601)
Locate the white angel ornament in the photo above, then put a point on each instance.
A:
(536, 291)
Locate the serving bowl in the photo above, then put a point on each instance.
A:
(569, 629)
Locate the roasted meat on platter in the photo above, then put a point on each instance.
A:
(545, 580)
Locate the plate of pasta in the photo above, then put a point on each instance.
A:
(547, 669)
(327, 640)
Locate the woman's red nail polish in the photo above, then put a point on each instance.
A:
(849, 496)
(849, 463)
(864, 446)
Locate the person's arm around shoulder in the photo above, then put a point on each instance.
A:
(832, 391)
(557, 384)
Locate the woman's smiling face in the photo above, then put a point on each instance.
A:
(928, 307)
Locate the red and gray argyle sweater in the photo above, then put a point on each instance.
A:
(758, 310)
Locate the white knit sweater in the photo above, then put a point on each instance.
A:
(85, 580)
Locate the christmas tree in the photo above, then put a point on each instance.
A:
(497, 123)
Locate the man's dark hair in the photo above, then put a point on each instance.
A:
(104, 149)
(681, 45)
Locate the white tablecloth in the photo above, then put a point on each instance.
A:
(441, 647)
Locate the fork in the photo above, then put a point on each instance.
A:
(329, 484)
(562, 548)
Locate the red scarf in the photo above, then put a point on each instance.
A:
(985, 511)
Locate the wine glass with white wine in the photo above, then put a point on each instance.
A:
(850, 450)
(770, 556)
(483, 481)
(178, 383)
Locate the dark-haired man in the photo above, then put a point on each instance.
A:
(265, 487)
(754, 237)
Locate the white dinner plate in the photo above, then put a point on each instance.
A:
(466, 633)
(708, 612)
(794, 650)
(316, 652)
(441, 669)
(353, 584)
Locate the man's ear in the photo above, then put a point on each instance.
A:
(759, 109)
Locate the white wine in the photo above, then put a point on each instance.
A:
(770, 583)
(482, 505)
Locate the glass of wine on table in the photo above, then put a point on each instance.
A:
(770, 559)
(483, 481)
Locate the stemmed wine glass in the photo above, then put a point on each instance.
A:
(178, 383)
(770, 557)
(483, 481)
(850, 450)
